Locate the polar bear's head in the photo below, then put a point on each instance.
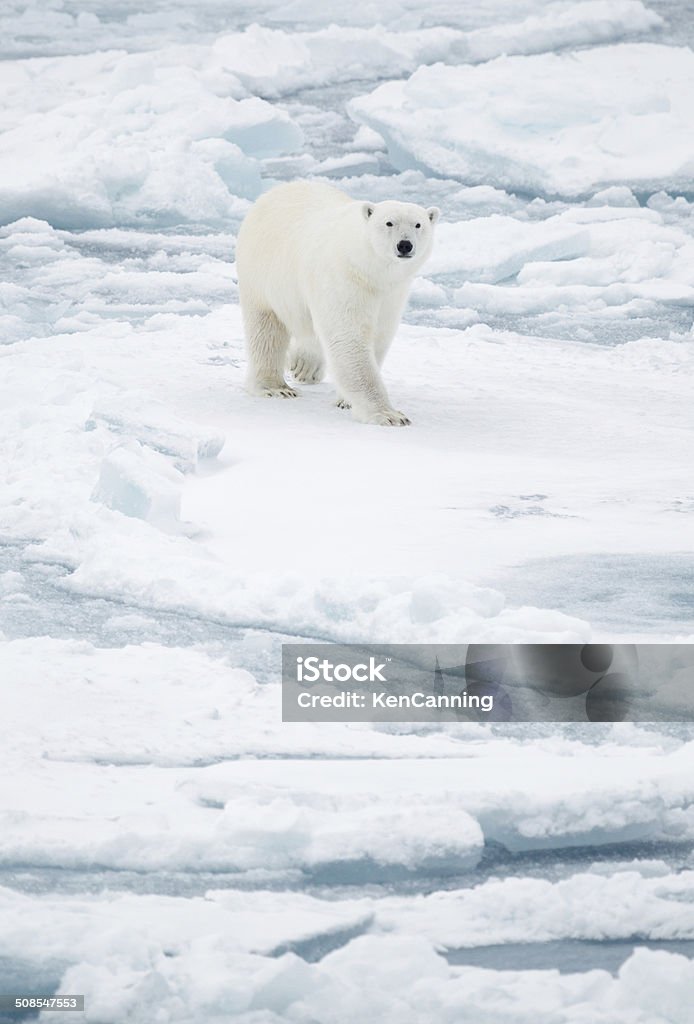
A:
(401, 232)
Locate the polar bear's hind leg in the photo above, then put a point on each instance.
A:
(267, 340)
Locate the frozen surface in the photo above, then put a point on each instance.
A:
(123, 143)
(211, 959)
(158, 430)
(167, 845)
(556, 124)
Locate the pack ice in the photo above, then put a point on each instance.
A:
(558, 124)
(170, 848)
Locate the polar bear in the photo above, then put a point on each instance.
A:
(324, 278)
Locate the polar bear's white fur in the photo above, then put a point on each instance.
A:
(332, 274)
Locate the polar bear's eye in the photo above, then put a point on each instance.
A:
(389, 223)
(418, 225)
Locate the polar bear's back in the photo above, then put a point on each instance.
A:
(283, 243)
(290, 215)
(301, 196)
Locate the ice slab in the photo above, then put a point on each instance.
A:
(492, 249)
(553, 124)
(141, 483)
(585, 905)
(526, 799)
(600, 262)
(155, 427)
(557, 26)
(131, 139)
(207, 708)
(138, 957)
(497, 390)
(204, 792)
(57, 281)
(25, 31)
(273, 62)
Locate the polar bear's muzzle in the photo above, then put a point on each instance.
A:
(405, 249)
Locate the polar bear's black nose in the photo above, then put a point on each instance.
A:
(404, 247)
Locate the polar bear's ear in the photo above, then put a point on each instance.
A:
(367, 210)
(434, 213)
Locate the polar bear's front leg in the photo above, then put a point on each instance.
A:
(388, 321)
(358, 380)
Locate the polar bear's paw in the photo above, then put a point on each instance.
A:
(306, 369)
(279, 390)
(391, 418)
(342, 403)
(285, 391)
(388, 418)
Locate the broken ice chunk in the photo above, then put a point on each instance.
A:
(140, 483)
(156, 428)
(553, 124)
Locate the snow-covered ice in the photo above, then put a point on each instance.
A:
(170, 848)
(190, 960)
(570, 123)
(140, 483)
(130, 138)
